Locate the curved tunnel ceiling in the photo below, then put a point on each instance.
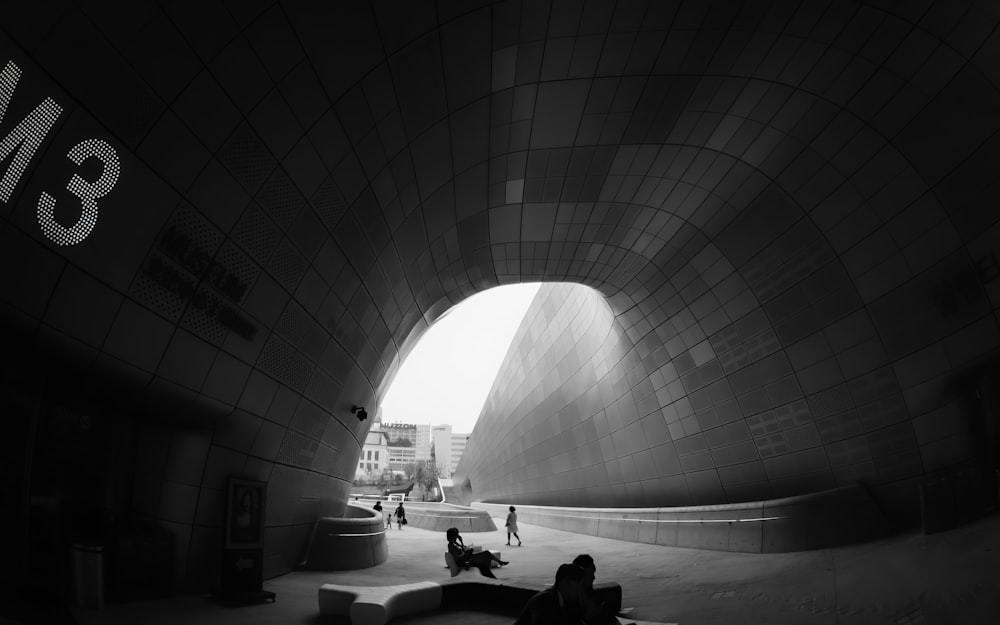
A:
(305, 186)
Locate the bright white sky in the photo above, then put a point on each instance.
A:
(449, 373)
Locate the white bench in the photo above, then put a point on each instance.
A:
(449, 561)
(377, 605)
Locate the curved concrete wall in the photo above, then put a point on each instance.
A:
(356, 541)
(827, 519)
(439, 517)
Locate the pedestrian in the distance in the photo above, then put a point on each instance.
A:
(512, 526)
(388, 517)
(400, 516)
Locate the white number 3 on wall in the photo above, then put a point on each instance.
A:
(88, 192)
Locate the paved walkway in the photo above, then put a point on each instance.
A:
(911, 579)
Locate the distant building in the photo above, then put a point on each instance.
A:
(417, 435)
(406, 444)
(441, 441)
(448, 448)
(397, 432)
(374, 456)
(423, 445)
(458, 442)
(400, 457)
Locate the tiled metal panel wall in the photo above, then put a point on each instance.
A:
(787, 208)
(578, 417)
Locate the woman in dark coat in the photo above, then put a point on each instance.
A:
(465, 557)
(400, 516)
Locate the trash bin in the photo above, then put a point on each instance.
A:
(88, 575)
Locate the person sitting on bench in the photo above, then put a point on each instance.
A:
(465, 557)
(598, 609)
(562, 604)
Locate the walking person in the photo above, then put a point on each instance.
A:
(512, 526)
(400, 515)
(388, 517)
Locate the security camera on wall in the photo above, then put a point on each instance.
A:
(359, 412)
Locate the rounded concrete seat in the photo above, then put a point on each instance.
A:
(377, 605)
(449, 561)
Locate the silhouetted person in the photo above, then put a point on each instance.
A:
(512, 526)
(465, 557)
(562, 604)
(400, 516)
(596, 609)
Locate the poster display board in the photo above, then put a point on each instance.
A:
(245, 514)
(243, 550)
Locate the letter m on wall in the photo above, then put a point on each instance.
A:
(23, 140)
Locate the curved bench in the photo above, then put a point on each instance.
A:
(377, 605)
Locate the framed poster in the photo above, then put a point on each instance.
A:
(245, 514)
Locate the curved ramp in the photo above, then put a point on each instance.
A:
(439, 517)
(831, 518)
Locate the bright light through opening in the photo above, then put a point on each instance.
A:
(449, 373)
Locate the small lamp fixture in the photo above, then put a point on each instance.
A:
(360, 412)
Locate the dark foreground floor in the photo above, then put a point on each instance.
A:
(911, 579)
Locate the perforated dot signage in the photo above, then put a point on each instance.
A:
(23, 141)
(88, 192)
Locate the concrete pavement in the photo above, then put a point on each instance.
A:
(908, 579)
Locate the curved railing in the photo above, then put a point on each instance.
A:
(355, 541)
(829, 518)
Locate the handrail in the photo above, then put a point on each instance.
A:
(444, 516)
(610, 518)
(531, 511)
(830, 518)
